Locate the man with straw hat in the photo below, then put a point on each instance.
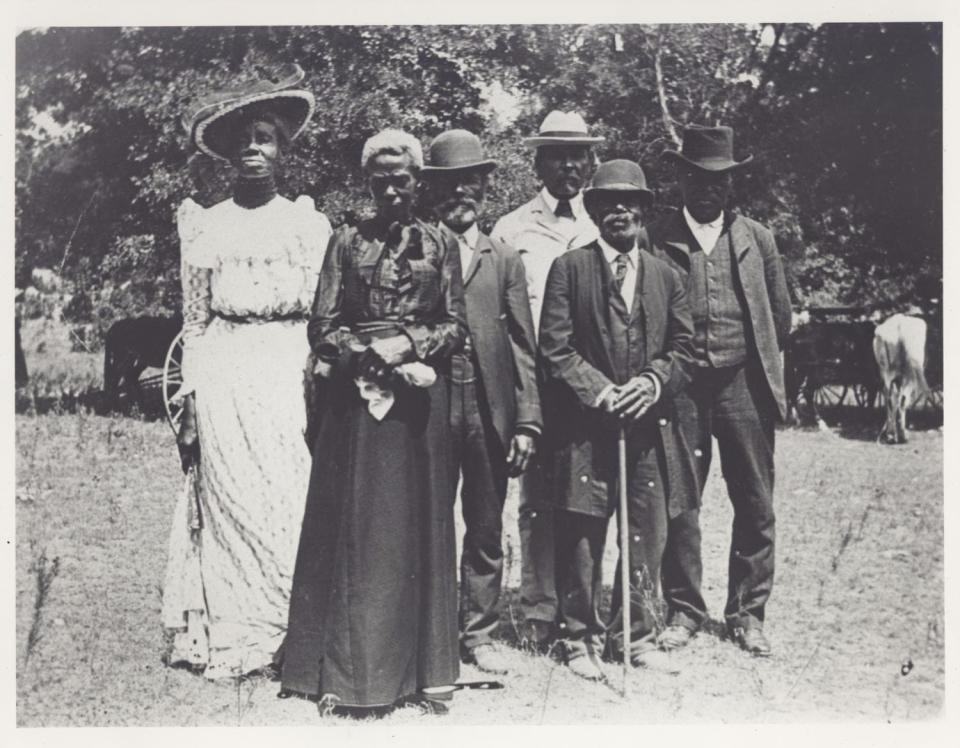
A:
(495, 406)
(741, 312)
(541, 230)
(615, 345)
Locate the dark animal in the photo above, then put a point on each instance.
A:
(899, 345)
(131, 346)
(838, 353)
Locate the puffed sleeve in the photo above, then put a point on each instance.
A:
(314, 235)
(196, 262)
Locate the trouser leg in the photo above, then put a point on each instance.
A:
(744, 426)
(482, 495)
(580, 541)
(682, 570)
(647, 533)
(538, 586)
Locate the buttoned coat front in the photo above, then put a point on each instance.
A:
(575, 352)
(758, 269)
(501, 332)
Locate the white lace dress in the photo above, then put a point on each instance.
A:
(249, 277)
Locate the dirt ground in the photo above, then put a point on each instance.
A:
(856, 617)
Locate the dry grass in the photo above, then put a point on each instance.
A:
(859, 593)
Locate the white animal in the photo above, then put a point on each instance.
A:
(898, 344)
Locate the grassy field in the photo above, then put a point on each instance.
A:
(856, 618)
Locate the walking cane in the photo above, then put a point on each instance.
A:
(624, 554)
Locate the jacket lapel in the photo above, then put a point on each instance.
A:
(484, 247)
(601, 302)
(676, 238)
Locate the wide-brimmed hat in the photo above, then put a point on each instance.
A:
(708, 148)
(456, 150)
(618, 175)
(562, 128)
(210, 120)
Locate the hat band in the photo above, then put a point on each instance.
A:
(562, 134)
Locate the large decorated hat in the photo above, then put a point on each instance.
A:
(209, 122)
(562, 128)
(708, 148)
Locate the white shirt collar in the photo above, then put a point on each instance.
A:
(610, 253)
(472, 235)
(716, 223)
(576, 203)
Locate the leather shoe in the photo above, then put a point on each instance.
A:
(751, 640)
(488, 658)
(582, 661)
(537, 634)
(675, 636)
(655, 660)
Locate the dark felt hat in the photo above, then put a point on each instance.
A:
(210, 120)
(456, 150)
(618, 175)
(708, 148)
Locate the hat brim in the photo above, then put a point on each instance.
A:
(485, 166)
(591, 192)
(211, 126)
(710, 164)
(537, 141)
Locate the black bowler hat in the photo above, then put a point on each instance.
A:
(456, 150)
(708, 148)
(618, 175)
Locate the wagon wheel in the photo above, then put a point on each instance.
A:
(172, 381)
(828, 397)
(861, 395)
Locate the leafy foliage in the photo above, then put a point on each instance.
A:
(844, 122)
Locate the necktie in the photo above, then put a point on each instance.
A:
(563, 209)
(620, 272)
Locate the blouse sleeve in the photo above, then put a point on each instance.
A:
(195, 270)
(329, 340)
(446, 334)
(315, 236)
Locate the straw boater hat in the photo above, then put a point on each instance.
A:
(619, 175)
(707, 148)
(209, 121)
(562, 128)
(456, 150)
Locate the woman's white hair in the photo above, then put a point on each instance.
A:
(394, 142)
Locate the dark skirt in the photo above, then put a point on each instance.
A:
(373, 611)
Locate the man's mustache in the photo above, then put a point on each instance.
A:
(459, 202)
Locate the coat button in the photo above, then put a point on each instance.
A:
(698, 453)
(663, 421)
(583, 479)
(650, 483)
(636, 538)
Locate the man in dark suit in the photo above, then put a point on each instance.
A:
(615, 345)
(741, 312)
(495, 405)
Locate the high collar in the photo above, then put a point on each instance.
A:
(254, 192)
(610, 253)
(695, 225)
(576, 203)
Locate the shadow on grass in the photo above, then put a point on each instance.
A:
(864, 424)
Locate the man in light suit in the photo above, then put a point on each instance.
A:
(495, 405)
(541, 230)
(615, 342)
(741, 312)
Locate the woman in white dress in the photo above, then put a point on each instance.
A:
(249, 270)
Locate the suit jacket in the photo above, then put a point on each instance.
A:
(501, 330)
(540, 237)
(575, 353)
(758, 271)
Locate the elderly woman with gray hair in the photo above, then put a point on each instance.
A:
(373, 613)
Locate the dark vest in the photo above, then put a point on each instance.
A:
(719, 329)
(628, 345)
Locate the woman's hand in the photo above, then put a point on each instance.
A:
(188, 442)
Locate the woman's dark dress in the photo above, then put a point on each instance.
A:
(373, 613)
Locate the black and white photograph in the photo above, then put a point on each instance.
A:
(405, 373)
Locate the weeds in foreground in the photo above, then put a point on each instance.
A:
(45, 572)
